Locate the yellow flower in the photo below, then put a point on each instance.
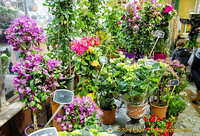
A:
(91, 49)
(95, 63)
(79, 88)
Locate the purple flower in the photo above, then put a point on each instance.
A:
(123, 30)
(119, 22)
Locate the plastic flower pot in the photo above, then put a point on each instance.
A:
(131, 56)
(135, 111)
(69, 82)
(108, 117)
(159, 111)
(122, 50)
(159, 56)
(31, 126)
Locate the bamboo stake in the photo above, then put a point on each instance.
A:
(171, 95)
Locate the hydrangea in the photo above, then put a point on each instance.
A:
(23, 33)
(36, 78)
(82, 112)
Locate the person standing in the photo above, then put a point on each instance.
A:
(195, 70)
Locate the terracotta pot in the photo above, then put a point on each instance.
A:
(159, 111)
(135, 111)
(108, 116)
(55, 106)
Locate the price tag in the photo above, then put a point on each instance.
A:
(103, 59)
(63, 96)
(159, 34)
(51, 131)
(174, 82)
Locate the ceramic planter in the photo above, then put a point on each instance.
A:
(54, 107)
(159, 56)
(135, 111)
(69, 82)
(159, 111)
(31, 126)
(108, 116)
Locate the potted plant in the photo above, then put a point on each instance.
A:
(156, 126)
(176, 105)
(158, 106)
(79, 114)
(86, 64)
(106, 92)
(36, 80)
(59, 35)
(166, 13)
(138, 84)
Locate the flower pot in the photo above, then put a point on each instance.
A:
(31, 127)
(54, 107)
(135, 111)
(122, 50)
(69, 82)
(159, 111)
(108, 117)
(131, 56)
(159, 56)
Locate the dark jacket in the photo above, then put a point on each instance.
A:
(182, 55)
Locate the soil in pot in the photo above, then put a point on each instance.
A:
(108, 115)
(30, 129)
(159, 109)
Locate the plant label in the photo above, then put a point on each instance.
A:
(159, 34)
(103, 59)
(63, 96)
(149, 62)
(174, 82)
(51, 131)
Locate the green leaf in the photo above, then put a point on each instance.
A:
(36, 99)
(39, 106)
(32, 83)
(83, 91)
(43, 98)
(32, 103)
(84, 63)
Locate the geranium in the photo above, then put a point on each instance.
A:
(36, 78)
(79, 114)
(23, 33)
(159, 127)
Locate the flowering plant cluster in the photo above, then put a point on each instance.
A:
(91, 132)
(141, 20)
(36, 78)
(176, 104)
(156, 126)
(174, 71)
(23, 33)
(86, 63)
(79, 114)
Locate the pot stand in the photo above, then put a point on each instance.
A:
(135, 127)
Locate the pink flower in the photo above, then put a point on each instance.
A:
(119, 22)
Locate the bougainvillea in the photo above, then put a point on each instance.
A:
(156, 126)
(79, 114)
(23, 33)
(86, 63)
(81, 46)
(36, 78)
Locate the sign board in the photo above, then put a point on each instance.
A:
(174, 82)
(149, 62)
(159, 34)
(103, 59)
(51, 131)
(63, 96)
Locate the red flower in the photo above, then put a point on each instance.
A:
(138, 8)
(152, 118)
(135, 2)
